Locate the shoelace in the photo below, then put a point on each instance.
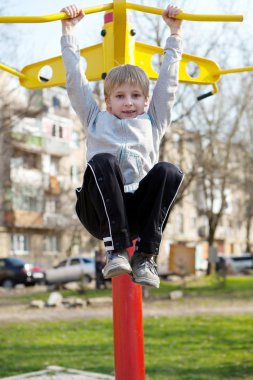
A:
(112, 256)
(150, 264)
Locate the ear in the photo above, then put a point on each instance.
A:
(146, 101)
(108, 103)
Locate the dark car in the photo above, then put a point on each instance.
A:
(15, 271)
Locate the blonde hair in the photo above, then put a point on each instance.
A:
(131, 74)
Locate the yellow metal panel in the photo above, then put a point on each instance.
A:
(108, 47)
(120, 21)
(31, 73)
(209, 71)
(125, 40)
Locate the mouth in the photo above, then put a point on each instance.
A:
(129, 113)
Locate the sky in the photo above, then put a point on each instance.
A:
(35, 42)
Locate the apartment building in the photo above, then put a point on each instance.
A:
(42, 161)
(187, 228)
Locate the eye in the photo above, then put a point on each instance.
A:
(119, 96)
(136, 95)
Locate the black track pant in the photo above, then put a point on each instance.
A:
(116, 217)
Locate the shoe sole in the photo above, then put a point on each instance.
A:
(115, 271)
(146, 282)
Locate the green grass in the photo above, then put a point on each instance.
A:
(185, 348)
(211, 286)
(27, 297)
(235, 286)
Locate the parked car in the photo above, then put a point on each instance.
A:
(15, 271)
(242, 263)
(72, 269)
(235, 264)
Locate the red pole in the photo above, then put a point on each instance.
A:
(128, 328)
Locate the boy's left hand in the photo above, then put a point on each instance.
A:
(169, 17)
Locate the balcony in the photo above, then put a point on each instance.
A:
(27, 142)
(55, 220)
(26, 176)
(56, 146)
(24, 219)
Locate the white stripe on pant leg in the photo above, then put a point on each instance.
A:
(108, 240)
(172, 202)
(110, 231)
(109, 248)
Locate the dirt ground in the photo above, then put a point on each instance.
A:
(103, 308)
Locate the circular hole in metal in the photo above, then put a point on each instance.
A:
(46, 73)
(192, 69)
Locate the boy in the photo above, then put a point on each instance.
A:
(126, 194)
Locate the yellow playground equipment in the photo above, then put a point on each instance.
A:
(118, 47)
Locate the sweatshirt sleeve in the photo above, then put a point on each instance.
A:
(77, 85)
(166, 86)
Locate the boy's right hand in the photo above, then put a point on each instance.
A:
(75, 15)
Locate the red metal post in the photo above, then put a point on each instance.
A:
(128, 329)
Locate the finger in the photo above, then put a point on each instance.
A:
(71, 10)
(171, 11)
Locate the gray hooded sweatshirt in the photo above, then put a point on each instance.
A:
(134, 142)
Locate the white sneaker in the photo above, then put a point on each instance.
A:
(116, 264)
(144, 270)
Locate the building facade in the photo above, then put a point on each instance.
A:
(43, 158)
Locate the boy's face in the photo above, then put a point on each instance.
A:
(126, 101)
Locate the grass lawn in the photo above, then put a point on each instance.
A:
(240, 287)
(176, 348)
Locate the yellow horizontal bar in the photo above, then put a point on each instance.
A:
(11, 71)
(52, 17)
(106, 7)
(185, 16)
(238, 70)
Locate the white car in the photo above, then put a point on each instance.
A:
(235, 264)
(72, 269)
(242, 263)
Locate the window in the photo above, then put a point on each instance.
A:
(51, 244)
(50, 206)
(57, 131)
(75, 173)
(26, 161)
(56, 102)
(30, 204)
(76, 139)
(74, 262)
(62, 264)
(20, 244)
(27, 198)
(193, 222)
(180, 223)
(54, 166)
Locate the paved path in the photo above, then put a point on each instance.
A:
(166, 308)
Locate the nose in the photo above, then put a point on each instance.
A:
(129, 101)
